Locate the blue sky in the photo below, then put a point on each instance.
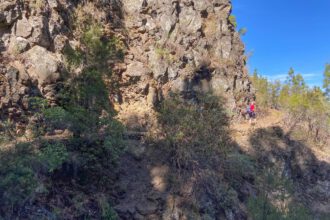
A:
(286, 33)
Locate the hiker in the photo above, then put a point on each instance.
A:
(247, 112)
(252, 112)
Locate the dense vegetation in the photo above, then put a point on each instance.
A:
(74, 167)
(66, 165)
(306, 108)
(197, 142)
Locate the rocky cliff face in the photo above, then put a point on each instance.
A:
(166, 47)
(171, 46)
(181, 47)
(30, 65)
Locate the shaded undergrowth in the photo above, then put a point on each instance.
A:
(77, 176)
(290, 177)
(66, 166)
(74, 176)
(203, 159)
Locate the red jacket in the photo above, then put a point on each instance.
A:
(252, 107)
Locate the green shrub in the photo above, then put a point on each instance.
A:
(56, 118)
(242, 31)
(7, 131)
(261, 209)
(195, 133)
(107, 212)
(37, 104)
(18, 180)
(52, 156)
(73, 58)
(275, 189)
(232, 20)
(237, 168)
(298, 212)
(226, 197)
(20, 171)
(113, 142)
(99, 50)
(164, 53)
(326, 81)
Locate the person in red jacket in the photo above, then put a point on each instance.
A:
(252, 112)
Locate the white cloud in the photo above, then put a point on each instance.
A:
(274, 77)
(308, 76)
(312, 79)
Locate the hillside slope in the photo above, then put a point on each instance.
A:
(123, 109)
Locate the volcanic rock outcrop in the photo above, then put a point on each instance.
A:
(183, 47)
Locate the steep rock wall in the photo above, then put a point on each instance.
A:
(33, 37)
(177, 46)
(181, 47)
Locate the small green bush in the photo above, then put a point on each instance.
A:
(242, 31)
(107, 212)
(56, 118)
(237, 167)
(52, 156)
(195, 133)
(73, 58)
(100, 50)
(261, 209)
(37, 104)
(232, 20)
(18, 180)
(275, 188)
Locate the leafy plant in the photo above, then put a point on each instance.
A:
(301, 104)
(242, 31)
(108, 213)
(237, 167)
(277, 190)
(56, 118)
(232, 20)
(194, 133)
(52, 156)
(163, 53)
(326, 81)
(17, 177)
(74, 58)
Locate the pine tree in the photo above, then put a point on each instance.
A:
(296, 82)
(290, 76)
(326, 81)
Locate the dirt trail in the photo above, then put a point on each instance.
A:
(241, 132)
(273, 118)
(307, 164)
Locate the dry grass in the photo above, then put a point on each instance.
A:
(86, 15)
(211, 26)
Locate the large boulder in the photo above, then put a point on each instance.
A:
(132, 6)
(190, 21)
(42, 66)
(18, 45)
(23, 28)
(136, 69)
(40, 34)
(158, 62)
